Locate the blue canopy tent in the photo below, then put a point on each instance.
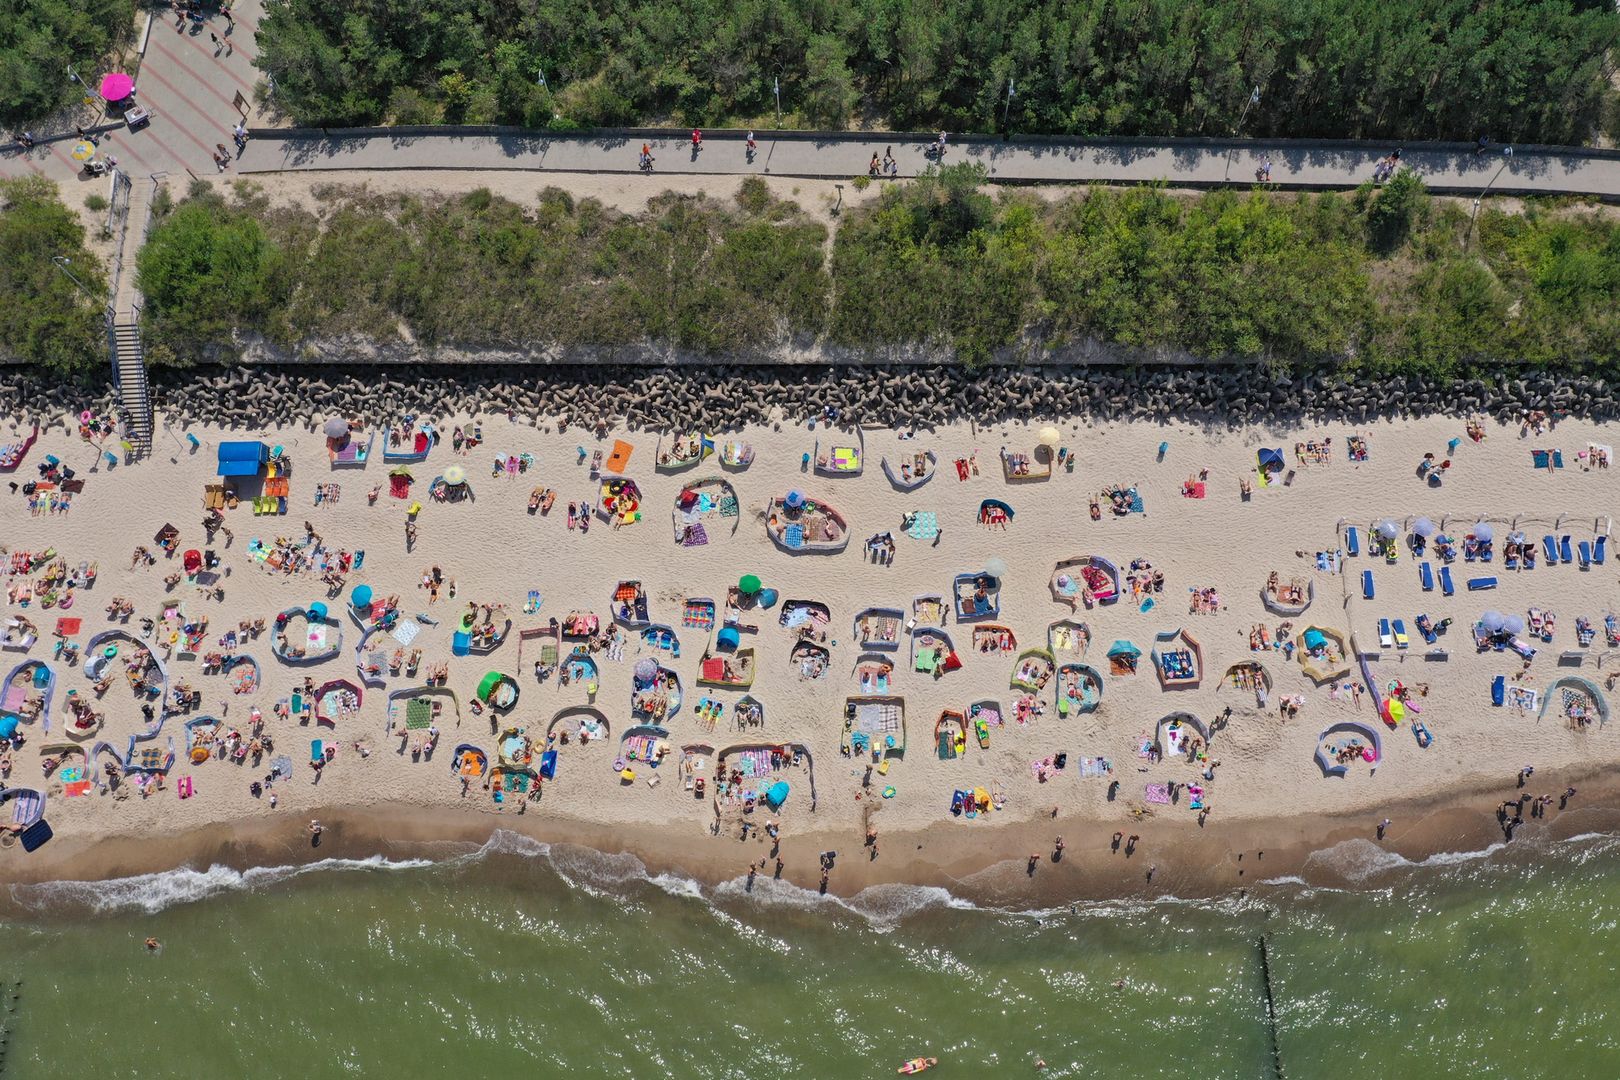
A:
(242, 458)
(728, 638)
(776, 795)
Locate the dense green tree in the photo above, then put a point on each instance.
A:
(46, 318)
(40, 38)
(1518, 70)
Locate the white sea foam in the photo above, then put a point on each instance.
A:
(1360, 860)
(152, 893)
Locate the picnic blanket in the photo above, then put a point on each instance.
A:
(405, 632)
(1156, 793)
(418, 714)
(924, 525)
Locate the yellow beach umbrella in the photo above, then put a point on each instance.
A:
(84, 151)
(1050, 436)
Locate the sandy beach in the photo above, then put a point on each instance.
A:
(1267, 790)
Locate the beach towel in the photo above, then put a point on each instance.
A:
(1136, 502)
(405, 632)
(728, 506)
(793, 536)
(924, 525)
(697, 536)
(1156, 793)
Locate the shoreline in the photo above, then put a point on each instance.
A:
(1202, 866)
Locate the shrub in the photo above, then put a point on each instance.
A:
(47, 319)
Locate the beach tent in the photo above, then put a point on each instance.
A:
(1315, 639)
(1270, 459)
(728, 638)
(777, 794)
(1123, 648)
(242, 458)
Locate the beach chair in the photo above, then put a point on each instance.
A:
(1425, 626)
(1426, 576)
(1499, 690)
(1510, 560)
(1446, 586)
(1401, 640)
(1549, 547)
(1481, 584)
(1385, 638)
(1352, 541)
(1585, 551)
(1367, 584)
(1564, 552)
(1597, 549)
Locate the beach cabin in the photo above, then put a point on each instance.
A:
(19, 635)
(1018, 467)
(677, 453)
(1032, 670)
(350, 451)
(736, 455)
(1181, 734)
(661, 638)
(24, 810)
(812, 661)
(841, 460)
(1067, 637)
(932, 652)
(655, 692)
(734, 670)
(25, 697)
(642, 745)
(306, 636)
(874, 673)
(1085, 579)
(704, 507)
(994, 638)
(421, 707)
(544, 647)
(1324, 653)
(1178, 660)
(498, 690)
(1347, 743)
(804, 614)
(1079, 690)
(910, 471)
(977, 596)
(802, 526)
(950, 735)
(1288, 598)
(337, 699)
(930, 609)
(619, 501)
(875, 726)
(629, 605)
(879, 628)
(995, 513)
(407, 444)
(579, 722)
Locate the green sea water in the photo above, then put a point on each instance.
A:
(518, 960)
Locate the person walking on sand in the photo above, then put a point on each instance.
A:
(1383, 825)
(1057, 850)
(1034, 861)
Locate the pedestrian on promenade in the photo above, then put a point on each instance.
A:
(697, 142)
(239, 133)
(750, 146)
(874, 166)
(646, 166)
(890, 167)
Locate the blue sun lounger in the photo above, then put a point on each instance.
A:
(1352, 541)
(1499, 690)
(1564, 552)
(1549, 547)
(1367, 584)
(1385, 638)
(1426, 576)
(1585, 551)
(1401, 640)
(1597, 549)
(1480, 584)
(1445, 581)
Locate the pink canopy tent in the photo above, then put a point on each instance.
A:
(116, 86)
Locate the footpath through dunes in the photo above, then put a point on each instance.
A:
(1454, 168)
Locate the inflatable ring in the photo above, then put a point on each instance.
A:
(110, 651)
(67, 601)
(889, 792)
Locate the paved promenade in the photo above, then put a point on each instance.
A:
(1447, 168)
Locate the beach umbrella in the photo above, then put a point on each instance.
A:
(336, 428)
(116, 86)
(8, 725)
(793, 501)
(317, 610)
(996, 568)
(645, 670)
(1394, 710)
(1512, 624)
(1484, 533)
(749, 584)
(454, 475)
(400, 470)
(361, 596)
(84, 152)
(1049, 436)
(1492, 620)
(1423, 527)
(1388, 529)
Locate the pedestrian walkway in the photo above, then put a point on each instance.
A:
(1444, 167)
(189, 77)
